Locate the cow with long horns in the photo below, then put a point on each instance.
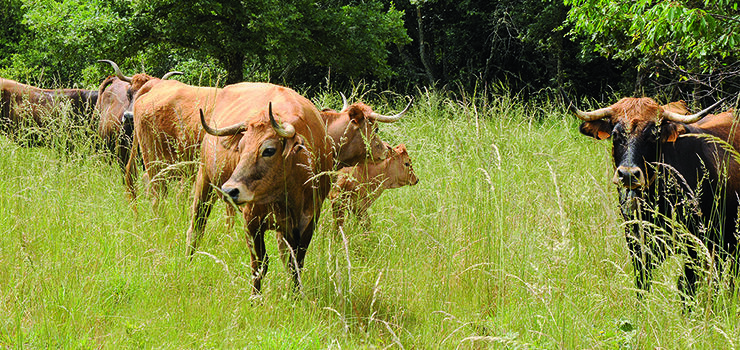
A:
(279, 173)
(679, 182)
(115, 105)
(354, 129)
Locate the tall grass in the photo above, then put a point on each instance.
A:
(511, 239)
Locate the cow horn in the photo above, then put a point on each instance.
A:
(228, 131)
(119, 74)
(286, 130)
(586, 116)
(169, 74)
(693, 118)
(593, 115)
(345, 104)
(391, 118)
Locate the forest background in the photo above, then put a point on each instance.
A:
(594, 48)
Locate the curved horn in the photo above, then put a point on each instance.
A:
(391, 118)
(169, 74)
(593, 115)
(688, 119)
(119, 74)
(286, 130)
(586, 116)
(228, 131)
(345, 104)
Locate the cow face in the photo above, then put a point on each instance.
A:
(400, 171)
(266, 156)
(638, 129)
(355, 135)
(354, 132)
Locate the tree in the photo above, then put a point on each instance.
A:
(351, 37)
(687, 37)
(60, 39)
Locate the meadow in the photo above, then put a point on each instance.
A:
(511, 239)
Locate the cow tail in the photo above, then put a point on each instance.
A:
(130, 172)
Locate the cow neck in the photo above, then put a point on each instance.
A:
(373, 173)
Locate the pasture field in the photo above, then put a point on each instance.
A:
(511, 239)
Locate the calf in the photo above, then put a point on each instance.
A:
(357, 187)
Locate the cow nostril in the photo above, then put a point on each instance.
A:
(233, 193)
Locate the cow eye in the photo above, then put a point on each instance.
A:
(407, 164)
(269, 152)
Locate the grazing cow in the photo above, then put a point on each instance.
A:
(357, 187)
(24, 105)
(116, 97)
(166, 129)
(278, 172)
(672, 173)
(353, 129)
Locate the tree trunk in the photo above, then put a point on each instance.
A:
(234, 65)
(422, 49)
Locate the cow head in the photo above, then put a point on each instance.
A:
(354, 132)
(639, 128)
(133, 85)
(266, 154)
(400, 171)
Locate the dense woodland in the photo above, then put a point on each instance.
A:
(595, 48)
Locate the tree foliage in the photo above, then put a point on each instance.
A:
(686, 37)
(60, 38)
(350, 37)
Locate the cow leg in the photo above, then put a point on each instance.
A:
(643, 260)
(258, 252)
(303, 242)
(288, 247)
(338, 211)
(200, 210)
(687, 280)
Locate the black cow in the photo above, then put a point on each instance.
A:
(679, 184)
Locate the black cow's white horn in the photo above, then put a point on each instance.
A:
(593, 115)
(693, 118)
(286, 130)
(391, 118)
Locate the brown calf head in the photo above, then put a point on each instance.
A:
(400, 172)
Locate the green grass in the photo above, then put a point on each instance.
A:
(511, 239)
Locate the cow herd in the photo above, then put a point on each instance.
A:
(270, 153)
(262, 148)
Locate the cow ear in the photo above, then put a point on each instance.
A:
(598, 129)
(669, 132)
(293, 145)
(356, 114)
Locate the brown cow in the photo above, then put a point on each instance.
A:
(166, 129)
(353, 129)
(672, 173)
(277, 172)
(115, 99)
(25, 105)
(358, 187)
